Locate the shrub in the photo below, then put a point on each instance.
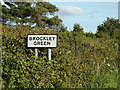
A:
(77, 62)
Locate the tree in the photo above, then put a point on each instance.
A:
(77, 28)
(17, 14)
(108, 27)
(116, 34)
(62, 28)
(31, 13)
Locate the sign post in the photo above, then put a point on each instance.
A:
(42, 41)
(49, 54)
(36, 52)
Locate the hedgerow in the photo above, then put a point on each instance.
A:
(77, 62)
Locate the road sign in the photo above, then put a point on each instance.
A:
(38, 40)
(42, 41)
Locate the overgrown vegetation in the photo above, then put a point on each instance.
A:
(81, 60)
(78, 61)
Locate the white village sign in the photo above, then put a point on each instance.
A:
(42, 41)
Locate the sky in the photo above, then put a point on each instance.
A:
(88, 13)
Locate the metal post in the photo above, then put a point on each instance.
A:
(49, 54)
(36, 52)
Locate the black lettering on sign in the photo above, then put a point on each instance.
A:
(44, 38)
(40, 38)
(35, 43)
(37, 38)
(30, 38)
(50, 38)
(48, 43)
(33, 38)
(41, 43)
(53, 38)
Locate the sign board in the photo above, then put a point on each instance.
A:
(40, 40)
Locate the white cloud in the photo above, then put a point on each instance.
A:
(69, 11)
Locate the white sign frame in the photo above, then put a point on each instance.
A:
(37, 40)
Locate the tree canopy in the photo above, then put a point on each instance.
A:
(108, 27)
(31, 13)
(77, 28)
